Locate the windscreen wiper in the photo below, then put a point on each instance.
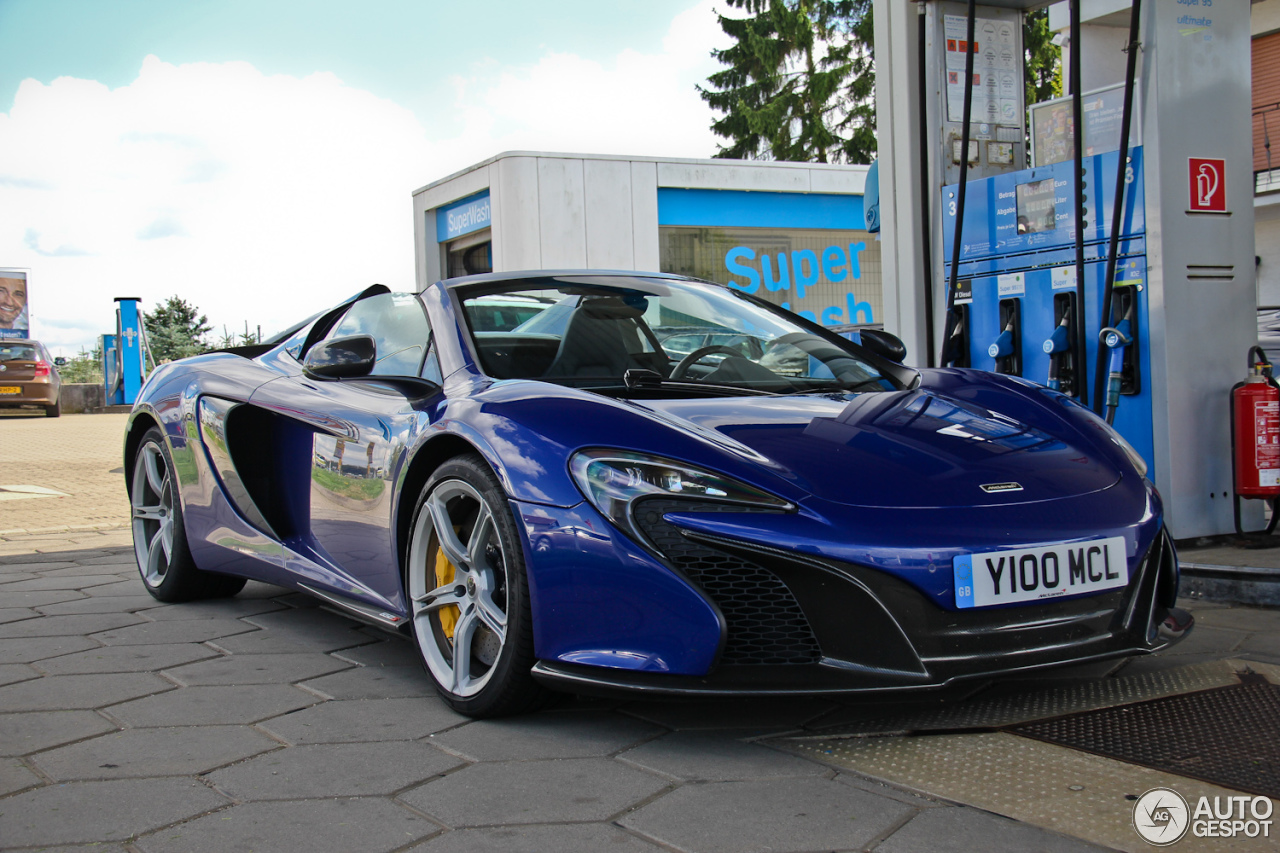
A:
(639, 377)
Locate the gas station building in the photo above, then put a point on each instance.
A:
(792, 233)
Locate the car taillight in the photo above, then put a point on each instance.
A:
(42, 369)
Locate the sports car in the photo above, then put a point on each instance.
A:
(564, 505)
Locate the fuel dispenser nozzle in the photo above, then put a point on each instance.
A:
(1003, 346)
(1054, 346)
(1115, 339)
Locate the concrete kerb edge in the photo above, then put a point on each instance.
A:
(66, 528)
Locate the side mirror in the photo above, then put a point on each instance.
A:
(342, 358)
(884, 344)
(60, 361)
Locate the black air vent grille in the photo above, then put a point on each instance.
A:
(765, 622)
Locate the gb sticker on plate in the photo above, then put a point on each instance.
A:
(1044, 571)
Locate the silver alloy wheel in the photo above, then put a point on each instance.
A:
(464, 663)
(152, 501)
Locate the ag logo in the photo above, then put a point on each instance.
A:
(1161, 816)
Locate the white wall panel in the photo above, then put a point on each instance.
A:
(732, 175)
(514, 199)
(424, 244)
(561, 209)
(644, 214)
(850, 179)
(1264, 17)
(465, 184)
(1267, 247)
(608, 214)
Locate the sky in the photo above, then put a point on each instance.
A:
(258, 158)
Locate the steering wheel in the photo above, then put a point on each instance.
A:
(697, 355)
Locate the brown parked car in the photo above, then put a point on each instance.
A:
(28, 376)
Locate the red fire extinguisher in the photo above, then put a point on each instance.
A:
(1255, 436)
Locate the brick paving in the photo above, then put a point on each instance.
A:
(78, 455)
(266, 723)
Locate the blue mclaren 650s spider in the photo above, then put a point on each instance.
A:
(513, 472)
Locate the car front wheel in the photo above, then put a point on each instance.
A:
(168, 570)
(470, 595)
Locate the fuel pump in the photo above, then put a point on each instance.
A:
(1118, 339)
(1131, 226)
(125, 354)
(1255, 438)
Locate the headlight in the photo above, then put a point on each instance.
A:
(612, 479)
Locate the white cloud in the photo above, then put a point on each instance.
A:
(265, 198)
(640, 104)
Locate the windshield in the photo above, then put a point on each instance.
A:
(592, 330)
(17, 352)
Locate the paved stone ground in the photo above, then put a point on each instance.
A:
(265, 723)
(77, 455)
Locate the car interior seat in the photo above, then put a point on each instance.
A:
(595, 340)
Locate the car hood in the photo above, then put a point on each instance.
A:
(897, 449)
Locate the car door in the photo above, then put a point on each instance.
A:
(356, 433)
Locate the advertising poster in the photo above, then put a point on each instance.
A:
(14, 315)
(1052, 127)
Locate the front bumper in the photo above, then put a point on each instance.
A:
(797, 624)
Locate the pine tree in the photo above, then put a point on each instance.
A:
(1043, 58)
(176, 329)
(85, 367)
(800, 82)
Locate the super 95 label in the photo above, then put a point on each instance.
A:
(1043, 571)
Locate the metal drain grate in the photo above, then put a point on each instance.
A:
(1225, 735)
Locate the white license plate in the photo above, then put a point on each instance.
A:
(1045, 571)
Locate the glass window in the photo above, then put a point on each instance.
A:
(596, 328)
(465, 257)
(293, 346)
(503, 313)
(17, 352)
(830, 277)
(398, 325)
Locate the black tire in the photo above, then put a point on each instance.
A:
(484, 600)
(168, 570)
(53, 411)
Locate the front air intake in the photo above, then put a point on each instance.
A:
(764, 621)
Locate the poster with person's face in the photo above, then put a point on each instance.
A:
(14, 319)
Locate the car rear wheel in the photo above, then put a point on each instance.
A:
(470, 595)
(53, 411)
(168, 570)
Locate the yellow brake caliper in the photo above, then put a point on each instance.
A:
(445, 574)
